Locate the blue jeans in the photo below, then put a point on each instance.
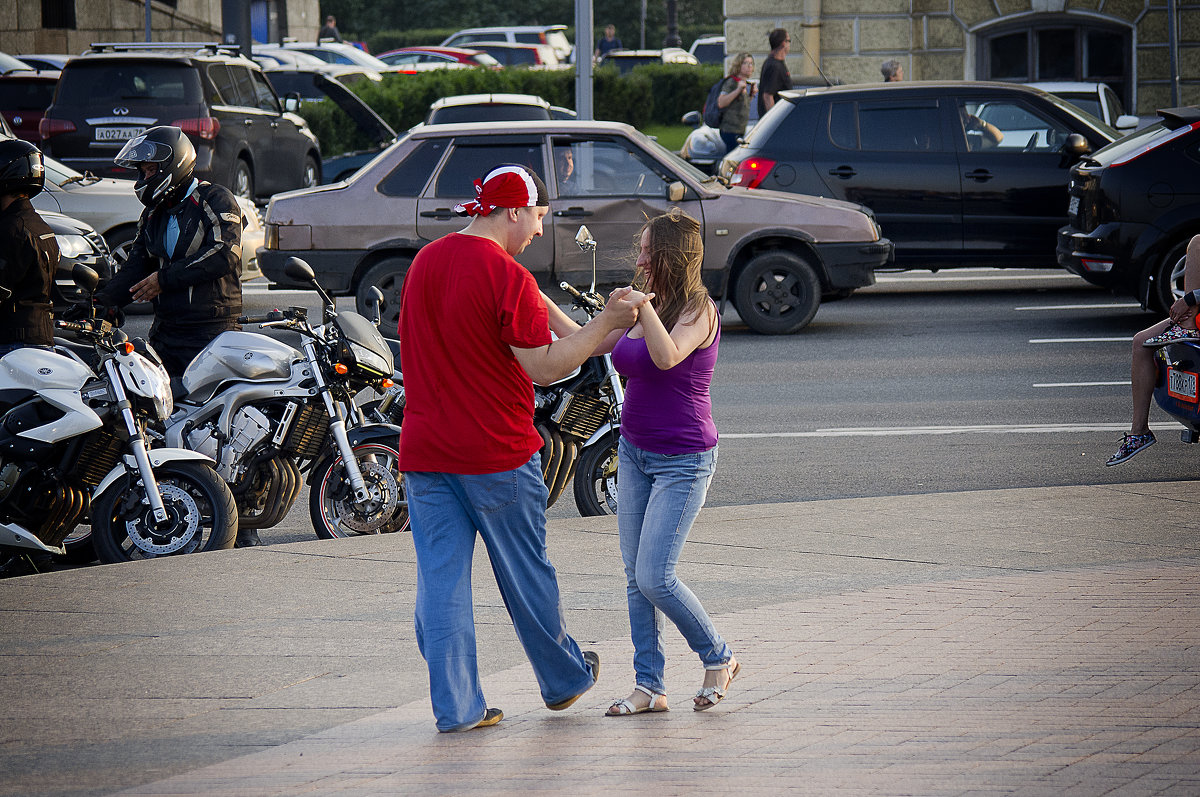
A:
(508, 510)
(658, 499)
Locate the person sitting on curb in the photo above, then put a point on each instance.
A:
(1178, 327)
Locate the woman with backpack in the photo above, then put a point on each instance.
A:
(734, 99)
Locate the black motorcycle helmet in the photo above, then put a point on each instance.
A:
(170, 148)
(21, 168)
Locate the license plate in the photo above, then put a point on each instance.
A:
(1073, 206)
(118, 133)
(1181, 384)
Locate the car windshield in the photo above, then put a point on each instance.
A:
(59, 173)
(89, 83)
(677, 163)
(1089, 103)
(1110, 132)
(487, 113)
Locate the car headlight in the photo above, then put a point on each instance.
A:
(73, 246)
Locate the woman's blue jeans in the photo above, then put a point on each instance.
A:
(508, 510)
(658, 499)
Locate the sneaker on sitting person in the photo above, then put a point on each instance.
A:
(1131, 444)
(1172, 334)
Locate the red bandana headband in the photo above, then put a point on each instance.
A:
(505, 187)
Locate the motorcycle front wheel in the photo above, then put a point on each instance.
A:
(78, 546)
(595, 481)
(331, 504)
(201, 515)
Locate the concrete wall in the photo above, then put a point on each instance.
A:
(124, 21)
(937, 39)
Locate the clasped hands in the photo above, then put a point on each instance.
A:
(1180, 311)
(623, 305)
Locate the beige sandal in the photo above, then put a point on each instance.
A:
(715, 694)
(625, 708)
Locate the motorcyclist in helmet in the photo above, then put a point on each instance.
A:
(187, 255)
(28, 251)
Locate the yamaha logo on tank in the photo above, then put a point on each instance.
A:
(45, 371)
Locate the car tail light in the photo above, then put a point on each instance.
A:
(1095, 264)
(48, 127)
(751, 172)
(205, 127)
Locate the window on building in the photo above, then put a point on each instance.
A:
(58, 14)
(1058, 48)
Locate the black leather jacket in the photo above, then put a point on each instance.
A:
(200, 280)
(28, 261)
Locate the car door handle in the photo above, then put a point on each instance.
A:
(572, 213)
(982, 175)
(274, 125)
(440, 214)
(247, 122)
(844, 172)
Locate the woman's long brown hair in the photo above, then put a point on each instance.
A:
(673, 273)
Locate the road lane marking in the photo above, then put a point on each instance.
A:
(1122, 306)
(1082, 340)
(906, 431)
(1080, 384)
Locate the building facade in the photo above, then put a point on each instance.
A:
(1124, 43)
(71, 26)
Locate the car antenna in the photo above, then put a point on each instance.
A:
(821, 72)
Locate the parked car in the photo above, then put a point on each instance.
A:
(330, 52)
(373, 134)
(1094, 98)
(553, 35)
(244, 138)
(24, 98)
(419, 59)
(540, 56)
(946, 195)
(52, 61)
(78, 243)
(626, 60)
(488, 108)
(774, 255)
(304, 81)
(10, 64)
(709, 49)
(272, 57)
(1133, 207)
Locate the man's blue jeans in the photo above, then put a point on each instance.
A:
(658, 499)
(508, 510)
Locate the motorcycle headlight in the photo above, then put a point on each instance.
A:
(369, 360)
(149, 380)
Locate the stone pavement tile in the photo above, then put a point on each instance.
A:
(973, 696)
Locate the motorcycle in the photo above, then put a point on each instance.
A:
(266, 412)
(578, 417)
(1175, 388)
(73, 442)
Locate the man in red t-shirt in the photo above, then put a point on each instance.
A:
(474, 330)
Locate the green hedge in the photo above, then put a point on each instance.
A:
(657, 94)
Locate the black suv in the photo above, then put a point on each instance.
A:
(925, 158)
(1134, 205)
(244, 139)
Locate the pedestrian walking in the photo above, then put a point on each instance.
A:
(28, 251)
(775, 76)
(474, 330)
(734, 100)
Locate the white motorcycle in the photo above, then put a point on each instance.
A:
(73, 442)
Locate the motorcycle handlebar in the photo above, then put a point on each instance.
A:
(273, 315)
(587, 300)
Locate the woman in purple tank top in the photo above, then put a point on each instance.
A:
(666, 458)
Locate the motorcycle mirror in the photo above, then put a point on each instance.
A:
(584, 239)
(85, 277)
(375, 302)
(297, 269)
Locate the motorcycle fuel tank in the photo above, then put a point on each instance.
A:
(238, 355)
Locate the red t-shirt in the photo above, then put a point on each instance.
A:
(469, 403)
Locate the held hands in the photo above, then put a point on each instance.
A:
(1180, 312)
(623, 305)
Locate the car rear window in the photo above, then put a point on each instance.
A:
(488, 113)
(88, 84)
(19, 94)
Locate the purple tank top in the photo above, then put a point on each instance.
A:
(667, 412)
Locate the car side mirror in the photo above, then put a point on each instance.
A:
(1126, 122)
(291, 103)
(692, 119)
(1076, 146)
(675, 191)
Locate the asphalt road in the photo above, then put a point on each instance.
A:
(961, 380)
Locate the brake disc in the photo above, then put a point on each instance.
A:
(372, 515)
(182, 528)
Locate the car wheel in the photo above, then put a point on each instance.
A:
(312, 172)
(778, 293)
(242, 181)
(388, 277)
(1167, 281)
